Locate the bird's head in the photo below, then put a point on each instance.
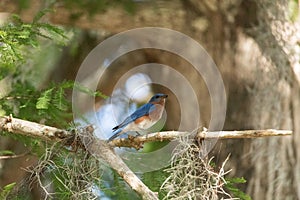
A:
(158, 98)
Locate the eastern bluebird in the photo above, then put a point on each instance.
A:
(143, 118)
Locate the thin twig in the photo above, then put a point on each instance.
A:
(13, 156)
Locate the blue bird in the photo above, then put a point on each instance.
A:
(143, 118)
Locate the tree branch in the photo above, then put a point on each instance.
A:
(13, 156)
(99, 147)
(137, 142)
(27, 128)
(102, 150)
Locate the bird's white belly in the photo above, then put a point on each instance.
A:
(145, 124)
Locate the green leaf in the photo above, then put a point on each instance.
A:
(155, 179)
(40, 14)
(231, 186)
(67, 84)
(44, 100)
(6, 152)
(16, 36)
(9, 186)
(236, 180)
(6, 190)
(60, 100)
(86, 90)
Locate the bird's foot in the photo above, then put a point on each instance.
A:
(138, 133)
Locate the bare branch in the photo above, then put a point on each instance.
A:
(243, 134)
(102, 150)
(39, 131)
(137, 142)
(13, 156)
(48, 133)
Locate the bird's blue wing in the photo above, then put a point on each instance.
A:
(141, 111)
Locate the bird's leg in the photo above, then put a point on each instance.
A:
(138, 133)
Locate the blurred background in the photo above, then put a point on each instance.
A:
(255, 45)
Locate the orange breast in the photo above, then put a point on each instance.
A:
(141, 119)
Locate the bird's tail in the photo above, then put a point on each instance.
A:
(116, 134)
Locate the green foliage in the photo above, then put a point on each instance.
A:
(6, 152)
(49, 105)
(6, 190)
(87, 91)
(155, 179)
(54, 96)
(16, 38)
(53, 106)
(44, 100)
(61, 191)
(120, 189)
(231, 186)
(36, 146)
